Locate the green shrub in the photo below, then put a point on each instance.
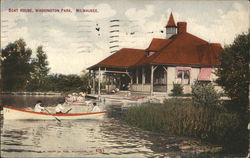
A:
(205, 95)
(177, 89)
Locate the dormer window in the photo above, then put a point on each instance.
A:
(150, 53)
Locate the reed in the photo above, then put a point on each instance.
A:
(181, 117)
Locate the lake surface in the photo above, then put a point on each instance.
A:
(107, 137)
(28, 100)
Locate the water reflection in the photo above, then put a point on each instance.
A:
(122, 139)
(50, 138)
(97, 138)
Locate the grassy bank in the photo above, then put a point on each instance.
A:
(180, 117)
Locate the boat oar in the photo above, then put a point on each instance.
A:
(53, 115)
(68, 111)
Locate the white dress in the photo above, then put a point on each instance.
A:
(38, 107)
(59, 108)
(96, 109)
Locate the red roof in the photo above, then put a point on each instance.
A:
(182, 49)
(187, 49)
(157, 43)
(123, 58)
(171, 22)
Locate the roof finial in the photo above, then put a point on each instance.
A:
(171, 22)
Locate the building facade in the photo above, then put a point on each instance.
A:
(180, 58)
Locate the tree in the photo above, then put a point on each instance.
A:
(40, 70)
(16, 66)
(85, 81)
(233, 75)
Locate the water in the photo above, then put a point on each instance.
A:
(21, 101)
(108, 137)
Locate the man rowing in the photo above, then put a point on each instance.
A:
(38, 107)
(59, 108)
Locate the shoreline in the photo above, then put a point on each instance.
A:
(31, 93)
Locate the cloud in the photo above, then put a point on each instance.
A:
(72, 62)
(13, 17)
(64, 53)
(140, 15)
(104, 11)
(225, 27)
(10, 29)
(146, 27)
(63, 17)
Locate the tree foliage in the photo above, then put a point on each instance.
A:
(16, 66)
(204, 95)
(233, 75)
(66, 83)
(177, 89)
(39, 70)
(20, 72)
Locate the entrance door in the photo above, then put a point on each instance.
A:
(160, 80)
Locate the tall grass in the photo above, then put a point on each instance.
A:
(181, 117)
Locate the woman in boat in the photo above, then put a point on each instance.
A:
(96, 108)
(59, 107)
(38, 107)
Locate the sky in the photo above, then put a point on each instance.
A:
(75, 40)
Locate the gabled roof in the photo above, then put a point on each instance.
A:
(157, 43)
(171, 22)
(181, 49)
(124, 58)
(187, 49)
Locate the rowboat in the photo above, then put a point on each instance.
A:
(11, 113)
(75, 102)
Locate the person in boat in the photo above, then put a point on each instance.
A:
(80, 98)
(38, 107)
(74, 97)
(82, 94)
(68, 98)
(96, 108)
(59, 108)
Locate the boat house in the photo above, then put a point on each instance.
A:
(180, 58)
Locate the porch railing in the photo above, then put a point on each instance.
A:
(140, 87)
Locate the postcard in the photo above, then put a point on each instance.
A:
(123, 78)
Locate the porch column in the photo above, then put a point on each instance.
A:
(108, 82)
(166, 77)
(93, 82)
(99, 82)
(131, 78)
(142, 78)
(152, 79)
(143, 75)
(89, 84)
(136, 74)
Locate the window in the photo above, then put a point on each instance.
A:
(150, 53)
(183, 76)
